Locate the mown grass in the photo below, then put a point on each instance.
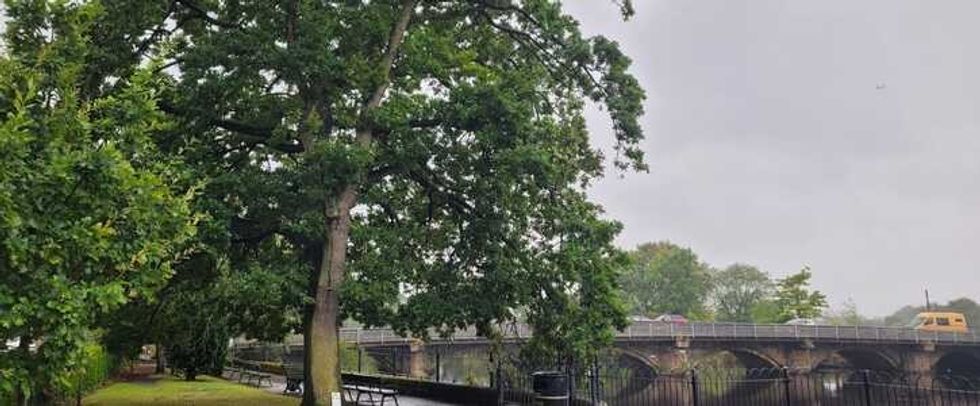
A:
(205, 391)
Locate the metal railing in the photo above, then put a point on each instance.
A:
(743, 331)
(645, 330)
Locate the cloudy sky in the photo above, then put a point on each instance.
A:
(835, 133)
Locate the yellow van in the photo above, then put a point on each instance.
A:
(940, 321)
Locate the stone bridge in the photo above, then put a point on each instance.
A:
(668, 349)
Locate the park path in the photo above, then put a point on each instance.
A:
(279, 384)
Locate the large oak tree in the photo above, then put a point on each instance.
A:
(426, 160)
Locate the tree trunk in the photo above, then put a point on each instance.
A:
(322, 338)
(322, 335)
(161, 360)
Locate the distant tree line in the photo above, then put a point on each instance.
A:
(665, 278)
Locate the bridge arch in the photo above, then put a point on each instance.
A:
(958, 363)
(753, 359)
(642, 364)
(858, 359)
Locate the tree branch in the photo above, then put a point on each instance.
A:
(547, 38)
(157, 32)
(203, 14)
(364, 135)
(428, 181)
(247, 132)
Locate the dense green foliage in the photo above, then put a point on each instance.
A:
(417, 163)
(207, 302)
(454, 128)
(737, 289)
(91, 214)
(93, 368)
(665, 278)
(794, 299)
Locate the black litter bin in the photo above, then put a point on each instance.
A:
(550, 388)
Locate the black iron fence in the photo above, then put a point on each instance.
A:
(758, 388)
(510, 381)
(616, 385)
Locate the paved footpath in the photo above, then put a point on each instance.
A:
(279, 384)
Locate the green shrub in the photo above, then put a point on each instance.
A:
(94, 367)
(348, 359)
(201, 351)
(88, 368)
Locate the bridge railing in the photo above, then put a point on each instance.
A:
(652, 329)
(741, 331)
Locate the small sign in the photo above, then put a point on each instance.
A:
(335, 399)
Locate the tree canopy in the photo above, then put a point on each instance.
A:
(737, 289)
(794, 299)
(666, 278)
(421, 163)
(91, 213)
(416, 163)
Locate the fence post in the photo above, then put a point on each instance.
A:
(438, 366)
(694, 388)
(360, 355)
(498, 379)
(867, 387)
(394, 361)
(786, 386)
(570, 373)
(594, 384)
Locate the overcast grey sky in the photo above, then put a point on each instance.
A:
(836, 133)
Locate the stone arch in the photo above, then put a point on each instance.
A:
(636, 360)
(629, 374)
(854, 359)
(959, 363)
(753, 359)
(727, 360)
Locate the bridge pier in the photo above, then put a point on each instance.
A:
(677, 362)
(919, 364)
(800, 359)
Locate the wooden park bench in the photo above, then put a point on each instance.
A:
(371, 391)
(294, 378)
(258, 377)
(232, 371)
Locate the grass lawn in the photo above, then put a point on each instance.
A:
(168, 390)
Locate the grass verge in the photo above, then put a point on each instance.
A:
(168, 390)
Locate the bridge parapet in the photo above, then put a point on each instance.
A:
(707, 331)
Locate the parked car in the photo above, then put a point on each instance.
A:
(671, 318)
(801, 322)
(641, 319)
